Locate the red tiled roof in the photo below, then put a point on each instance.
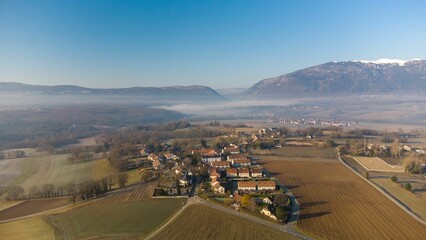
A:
(246, 184)
(220, 163)
(231, 170)
(266, 184)
(256, 170)
(239, 161)
(237, 156)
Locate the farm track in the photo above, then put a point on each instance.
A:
(337, 204)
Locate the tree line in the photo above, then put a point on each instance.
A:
(84, 190)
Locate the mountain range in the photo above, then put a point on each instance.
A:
(358, 77)
(178, 92)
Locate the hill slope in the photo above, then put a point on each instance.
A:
(347, 78)
(195, 91)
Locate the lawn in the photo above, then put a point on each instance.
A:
(202, 222)
(127, 219)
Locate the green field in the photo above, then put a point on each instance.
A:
(202, 222)
(125, 219)
(57, 170)
(31, 228)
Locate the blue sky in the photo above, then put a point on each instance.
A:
(215, 43)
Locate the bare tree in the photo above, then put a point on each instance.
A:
(122, 179)
(395, 151)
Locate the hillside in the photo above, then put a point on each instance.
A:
(384, 76)
(172, 92)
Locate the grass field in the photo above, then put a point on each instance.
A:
(31, 207)
(10, 170)
(337, 204)
(202, 222)
(124, 219)
(32, 228)
(415, 201)
(377, 164)
(55, 169)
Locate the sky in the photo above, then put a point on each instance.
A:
(221, 44)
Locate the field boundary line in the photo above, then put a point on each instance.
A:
(387, 195)
(176, 214)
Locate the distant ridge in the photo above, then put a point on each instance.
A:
(195, 91)
(384, 76)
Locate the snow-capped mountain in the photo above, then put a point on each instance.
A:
(384, 76)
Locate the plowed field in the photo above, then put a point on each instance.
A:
(31, 207)
(337, 204)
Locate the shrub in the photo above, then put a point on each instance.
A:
(394, 178)
(408, 187)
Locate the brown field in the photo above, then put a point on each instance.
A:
(300, 152)
(337, 204)
(377, 164)
(7, 204)
(31, 207)
(202, 222)
(135, 193)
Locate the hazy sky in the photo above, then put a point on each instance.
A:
(215, 43)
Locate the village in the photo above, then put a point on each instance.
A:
(228, 177)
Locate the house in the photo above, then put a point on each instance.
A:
(232, 157)
(211, 157)
(244, 173)
(213, 172)
(232, 149)
(217, 188)
(156, 164)
(267, 200)
(231, 172)
(266, 185)
(256, 172)
(170, 156)
(247, 186)
(220, 165)
(266, 212)
(203, 151)
(421, 151)
(241, 162)
(208, 155)
(407, 148)
(183, 181)
(152, 157)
